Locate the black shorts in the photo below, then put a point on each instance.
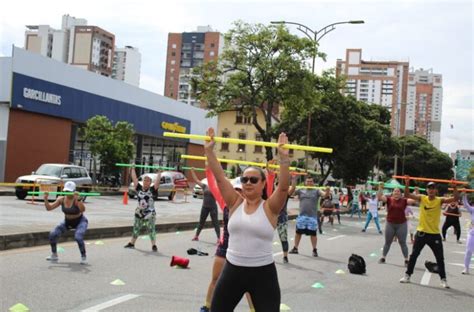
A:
(327, 213)
(221, 252)
(306, 232)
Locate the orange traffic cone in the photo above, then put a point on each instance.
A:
(125, 198)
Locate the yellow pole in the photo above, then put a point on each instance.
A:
(233, 161)
(248, 142)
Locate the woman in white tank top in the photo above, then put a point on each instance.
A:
(252, 221)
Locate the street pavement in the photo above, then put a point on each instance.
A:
(150, 284)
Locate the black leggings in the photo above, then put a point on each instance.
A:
(436, 245)
(234, 281)
(202, 220)
(452, 221)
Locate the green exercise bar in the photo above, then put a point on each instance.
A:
(201, 169)
(145, 166)
(389, 185)
(63, 193)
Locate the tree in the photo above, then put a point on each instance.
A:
(112, 144)
(356, 131)
(419, 158)
(257, 71)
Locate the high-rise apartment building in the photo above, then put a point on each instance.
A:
(186, 51)
(76, 43)
(424, 105)
(126, 65)
(379, 82)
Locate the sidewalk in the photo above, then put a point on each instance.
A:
(23, 224)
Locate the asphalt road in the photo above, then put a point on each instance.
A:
(150, 284)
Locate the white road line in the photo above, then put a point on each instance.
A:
(459, 252)
(460, 265)
(336, 237)
(111, 303)
(278, 253)
(425, 280)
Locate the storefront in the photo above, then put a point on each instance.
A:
(50, 101)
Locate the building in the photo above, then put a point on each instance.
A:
(233, 124)
(186, 51)
(126, 65)
(379, 82)
(463, 162)
(44, 103)
(424, 105)
(76, 43)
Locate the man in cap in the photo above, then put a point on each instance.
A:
(427, 232)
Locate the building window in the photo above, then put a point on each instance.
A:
(241, 147)
(240, 118)
(225, 146)
(258, 149)
(173, 53)
(173, 45)
(173, 62)
(211, 53)
(212, 45)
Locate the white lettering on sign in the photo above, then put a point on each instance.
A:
(41, 96)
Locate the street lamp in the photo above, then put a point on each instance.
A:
(315, 36)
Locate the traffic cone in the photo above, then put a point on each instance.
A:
(125, 198)
(181, 262)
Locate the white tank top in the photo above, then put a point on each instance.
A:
(250, 238)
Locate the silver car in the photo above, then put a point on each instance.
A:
(56, 175)
(166, 188)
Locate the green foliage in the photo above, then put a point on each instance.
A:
(260, 68)
(357, 131)
(113, 144)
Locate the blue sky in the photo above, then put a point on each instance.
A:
(428, 34)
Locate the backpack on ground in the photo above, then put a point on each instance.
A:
(356, 264)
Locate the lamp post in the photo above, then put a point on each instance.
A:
(315, 36)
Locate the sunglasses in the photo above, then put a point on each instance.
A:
(253, 180)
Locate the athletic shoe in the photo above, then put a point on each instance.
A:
(154, 248)
(363, 230)
(382, 260)
(83, 260)
(465, 272)
(53, 257)
(315, 252)
(195, 239)
(204, 309)
(129, 245)
(294, 251)
(444, 239)
(459, 242)
(405, 279)
(380, 232)
(444, 284)
(285, 259)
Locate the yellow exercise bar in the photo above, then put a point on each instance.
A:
(248, 142)
(233, 161)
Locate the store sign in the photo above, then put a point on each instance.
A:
(174, 127)
(41, 96)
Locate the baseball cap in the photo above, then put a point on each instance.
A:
(69, 186)
(236, 183)
(431, 185)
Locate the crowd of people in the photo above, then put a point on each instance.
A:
(254, 206)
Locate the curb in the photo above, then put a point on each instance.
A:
(14, 241)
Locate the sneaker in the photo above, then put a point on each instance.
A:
(285, 259)
(405, 279)
(53, 257)
(204, 309)
(465, 272)
(363, 230)
(382, 260)
(315, 252)
(444, 284)
(444, 239)
(459, 242)
(380, 232)
(195, 239)
(83, 260)
(154, 248)
(129, 245)
(294, 251)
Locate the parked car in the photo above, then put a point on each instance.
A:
(170, 180)
(54, 174)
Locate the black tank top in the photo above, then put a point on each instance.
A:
(73, 210)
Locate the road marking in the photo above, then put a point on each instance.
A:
(278, 253)
(460, 264)
(425, 280)
(336, 237)
(111, 303)
(459, 252)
